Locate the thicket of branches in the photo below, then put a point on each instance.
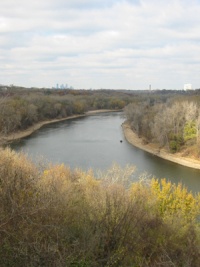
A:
(20, 109)
(52, 216)
(174, 123)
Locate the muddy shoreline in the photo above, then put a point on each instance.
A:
(134, 140)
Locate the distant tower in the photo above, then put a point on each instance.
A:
(149, 87)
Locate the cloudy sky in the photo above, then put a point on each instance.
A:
(115, 44)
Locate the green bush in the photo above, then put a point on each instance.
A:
(190, 131)
(175, 143)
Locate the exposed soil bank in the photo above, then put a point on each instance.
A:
(133, 139)
(21, 134)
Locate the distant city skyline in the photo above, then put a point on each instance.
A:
(62, 86)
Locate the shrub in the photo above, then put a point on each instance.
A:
(52, 216)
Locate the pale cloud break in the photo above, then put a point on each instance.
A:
(113, 44)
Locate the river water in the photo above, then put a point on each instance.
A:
(94, 142)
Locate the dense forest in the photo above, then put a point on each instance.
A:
(52, 216)
(21, 107)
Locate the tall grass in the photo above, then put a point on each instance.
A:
(52, 216)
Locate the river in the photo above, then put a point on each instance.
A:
(97, 142)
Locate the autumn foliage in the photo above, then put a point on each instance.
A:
(20, 109)
(53, 216)
(173, 124)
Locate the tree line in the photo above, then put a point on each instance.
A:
(23, 107)
(20, 109)
(173, 123)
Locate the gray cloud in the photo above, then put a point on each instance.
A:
(100, 43)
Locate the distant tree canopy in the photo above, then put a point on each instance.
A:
(21, 108)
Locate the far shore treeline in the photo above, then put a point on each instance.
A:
(172, 123)
(21, 107)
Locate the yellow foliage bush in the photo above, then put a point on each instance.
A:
(52, 216)
(175, 200)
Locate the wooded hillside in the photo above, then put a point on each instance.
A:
(173, 123)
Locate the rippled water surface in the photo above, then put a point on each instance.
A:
(94, 142)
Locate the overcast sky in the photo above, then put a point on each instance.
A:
(113, 44)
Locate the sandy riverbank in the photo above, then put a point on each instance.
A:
(21, 134)
(133, 139)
